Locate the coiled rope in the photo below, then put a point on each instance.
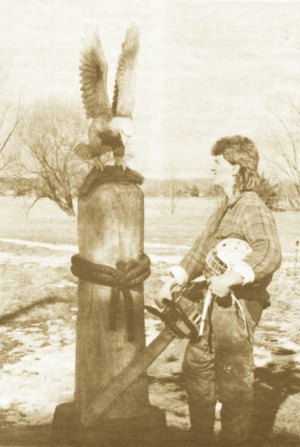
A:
(124, 278)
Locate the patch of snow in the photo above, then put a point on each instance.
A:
(42, 372)
(64, 283)
(152, 328)
(152, 245)
(296, 358)
(155, 258)
(43, 261)
(54, 261)
(289, 345)
(34, 244)
(168, 259)
(288, 327)
(262, 356)
(73, 248)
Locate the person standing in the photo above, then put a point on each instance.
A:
(219, 365)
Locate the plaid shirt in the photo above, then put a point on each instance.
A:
(245, 217)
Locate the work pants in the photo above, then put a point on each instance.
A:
(219, 366)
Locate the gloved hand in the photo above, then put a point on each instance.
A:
(220, 285)
(178, 278)
(166, 291)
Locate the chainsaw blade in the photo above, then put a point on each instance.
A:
(128, 376)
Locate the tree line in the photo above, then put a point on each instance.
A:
(37, 158)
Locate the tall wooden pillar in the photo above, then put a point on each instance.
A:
(110, 229)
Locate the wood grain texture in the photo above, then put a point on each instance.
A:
(110, 228)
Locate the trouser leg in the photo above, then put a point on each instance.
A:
(234, 371)
(199, 376)
(237, 402)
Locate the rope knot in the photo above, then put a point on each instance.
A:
(125, 277)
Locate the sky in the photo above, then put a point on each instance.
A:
(205, 69)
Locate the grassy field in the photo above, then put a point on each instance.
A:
(45, 222)
(38, 315)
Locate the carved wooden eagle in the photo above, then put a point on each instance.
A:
(111, 126)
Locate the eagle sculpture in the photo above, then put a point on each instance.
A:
(111, 126)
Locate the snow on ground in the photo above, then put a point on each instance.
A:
(57, 247)
(72, 248)
(38, 371)
(42, 261)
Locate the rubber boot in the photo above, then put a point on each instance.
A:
(202, 419)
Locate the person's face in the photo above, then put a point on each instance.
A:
(224, 172)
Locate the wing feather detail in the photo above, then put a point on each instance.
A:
(123, 100)
(93, 74)
(83, 151)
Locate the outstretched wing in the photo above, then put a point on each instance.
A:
(123, 100)
(93, 73)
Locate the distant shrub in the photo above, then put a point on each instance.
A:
(214, 191)
(194, 191)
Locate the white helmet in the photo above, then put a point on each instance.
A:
(226, 254)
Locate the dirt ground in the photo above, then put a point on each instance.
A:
(38, 306)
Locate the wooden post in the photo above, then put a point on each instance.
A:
(110, 229)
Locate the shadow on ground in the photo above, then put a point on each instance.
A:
(274, 383)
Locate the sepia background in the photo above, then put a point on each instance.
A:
(205, 70)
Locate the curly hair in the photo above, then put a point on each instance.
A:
(241, 151)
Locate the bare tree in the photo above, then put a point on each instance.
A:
(10, 118)
(49, 134)
(284, 142)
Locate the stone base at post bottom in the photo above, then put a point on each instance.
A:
(145, 430)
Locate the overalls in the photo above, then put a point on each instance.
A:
(219, 366)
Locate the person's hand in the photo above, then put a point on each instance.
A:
(220, 285)
(166, 291)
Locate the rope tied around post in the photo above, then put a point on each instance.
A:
(124, 278)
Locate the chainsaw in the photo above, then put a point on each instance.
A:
(184, 316)
(181, 315)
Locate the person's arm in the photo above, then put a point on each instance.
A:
(190, 267)
(193, 262)
(260, 232)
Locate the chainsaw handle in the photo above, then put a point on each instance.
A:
(166, 301)
(207, 302)
(166, 292)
